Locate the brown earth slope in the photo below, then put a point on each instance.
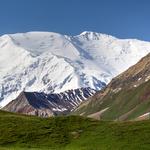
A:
(126, 97)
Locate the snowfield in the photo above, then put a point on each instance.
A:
(52, 63)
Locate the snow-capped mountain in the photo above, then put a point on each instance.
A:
(52, 63)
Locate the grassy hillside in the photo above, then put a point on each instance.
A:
(126, 97)
(127, 104)
(71, 133)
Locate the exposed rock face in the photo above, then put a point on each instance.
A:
(126, 97)
(46, 105)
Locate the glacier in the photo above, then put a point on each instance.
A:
(52, 63)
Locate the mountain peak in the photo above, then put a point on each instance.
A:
(94, 35)
(51, 62)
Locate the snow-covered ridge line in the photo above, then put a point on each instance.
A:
(52, 63)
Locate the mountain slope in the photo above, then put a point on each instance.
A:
(53, 63)
(46, 105)
(126, 97)
(20, 132)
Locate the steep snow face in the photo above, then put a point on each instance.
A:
(50, 62)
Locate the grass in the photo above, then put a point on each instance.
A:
(19, 132)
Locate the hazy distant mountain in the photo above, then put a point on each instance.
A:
(52, 63)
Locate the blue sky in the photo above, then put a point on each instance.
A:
(121, 18)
